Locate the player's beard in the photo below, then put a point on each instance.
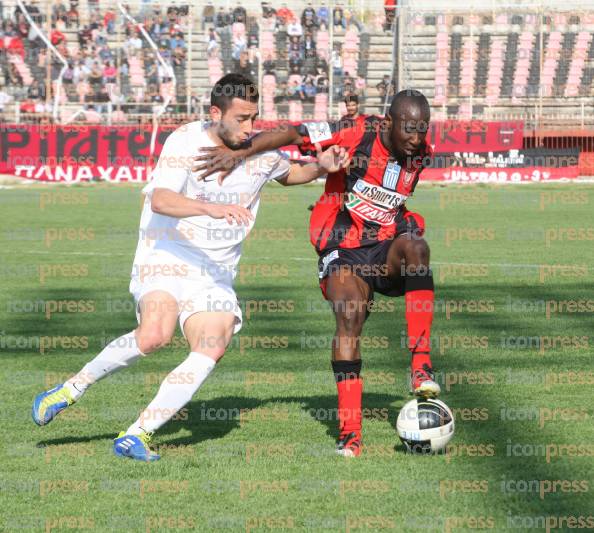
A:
(225, 136)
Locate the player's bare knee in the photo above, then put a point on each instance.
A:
(213, 345)
(416, 252)
(151, 339)
(350, 324)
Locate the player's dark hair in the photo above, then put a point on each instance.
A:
(233, 86)
(408, 97)
(351, 98)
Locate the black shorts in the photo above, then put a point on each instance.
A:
(369, 263)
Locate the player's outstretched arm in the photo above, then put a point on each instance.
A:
(173, 204)
(331, 160)
(224, 160)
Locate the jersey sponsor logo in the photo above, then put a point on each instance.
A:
(391, 175)
(378, 195)
(318, 131)
(369, 211)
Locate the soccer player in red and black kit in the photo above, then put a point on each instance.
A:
(366, 239)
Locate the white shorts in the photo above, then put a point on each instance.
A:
(196, 288)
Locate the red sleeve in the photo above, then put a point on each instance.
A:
(346, 133)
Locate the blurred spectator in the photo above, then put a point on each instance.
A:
(81, 72)
(152, 74)
(14, 78)
(309, 46)
(348, 84)
(390, 10)
(336, 60)
(72, 18)
(338, 16)
(179, 57)
(322, 82)
(91, 115)
(323, 14)
(308, 92)
(239, 13)
(309, 18)
(253, 31)
(212, 47)
(110, 73)
(34, 12)
(59, 12)
(239, 45)
(294, 28)
(208, 15)
(177, 40)
(109, 21)
(27, 106)
(223, 18)
(284, 14)
(5, 99)
(245, 67)
(351, 102)
(267, 10)
(294, 90)
(68, 77)
(269, 65)
(163, 73)
(385, 88)
(360, 85)
(295, 52)
(281, 93)
(96, 76)
(36, 91)
(133, 43)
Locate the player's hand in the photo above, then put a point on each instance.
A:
(213, 159)
(231, 213)
(333, 159)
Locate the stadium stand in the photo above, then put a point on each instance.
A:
(520, 63)
(480, 63)
(112, 68)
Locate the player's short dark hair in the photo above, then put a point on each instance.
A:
(407, 97)
(233, 86)
(351, 98)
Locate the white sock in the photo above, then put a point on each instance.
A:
(176, 391)
(118, 354)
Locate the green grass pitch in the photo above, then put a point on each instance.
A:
(253, 451)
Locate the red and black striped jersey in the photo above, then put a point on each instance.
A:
(362, 204)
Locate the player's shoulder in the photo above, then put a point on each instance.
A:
(194, 130)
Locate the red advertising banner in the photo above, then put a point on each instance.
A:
(499, 175)
(121, 153)
(476, 136)
(78, 153)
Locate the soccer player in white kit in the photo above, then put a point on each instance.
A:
(188, 249)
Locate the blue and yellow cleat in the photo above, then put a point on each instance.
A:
(50, 403)
(135, 447)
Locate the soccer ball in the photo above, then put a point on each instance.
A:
(425, 426)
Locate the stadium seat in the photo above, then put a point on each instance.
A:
(321, 107)
(295, 111)
(442, 54)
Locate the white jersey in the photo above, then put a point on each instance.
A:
(199, 239)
